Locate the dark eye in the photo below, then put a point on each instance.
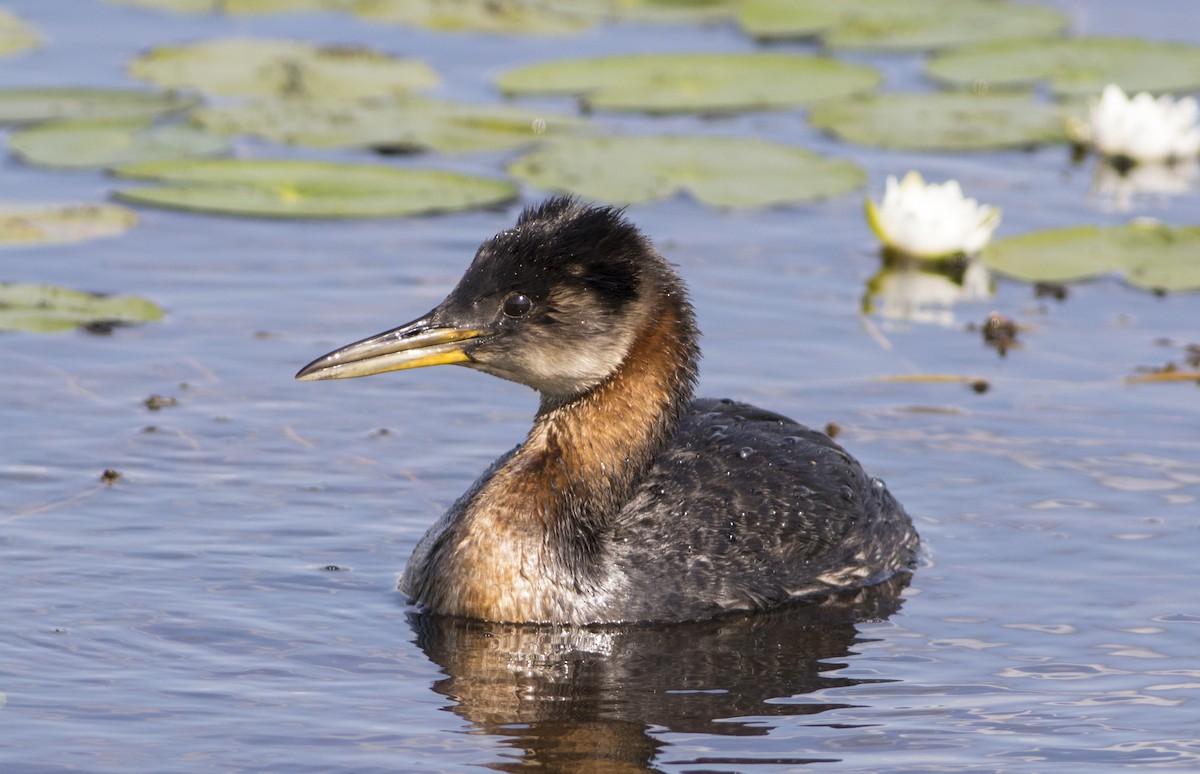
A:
(517, 305)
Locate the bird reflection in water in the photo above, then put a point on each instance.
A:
(584, 699)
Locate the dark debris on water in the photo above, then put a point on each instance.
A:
(999, 332)
(159, 402)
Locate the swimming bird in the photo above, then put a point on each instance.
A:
(629, 500)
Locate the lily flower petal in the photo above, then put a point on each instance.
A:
(1143, 128)
(930, 220)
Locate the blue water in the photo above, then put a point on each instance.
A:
(229, 603)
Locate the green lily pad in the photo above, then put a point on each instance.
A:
(509, 17)
(688, 83)
(30, 224)
(27, 106)
(653, 11)
(308, 189)
(16, 34)
(49, 308)
(793, 19)
(407, 125)
(281, 68)
(1077, 66)
(247, 7)
(177, 6)
(898, 25)
(98, 144)
(955, 121)
(1152, 256)
(238, 7)
(720, 171)
(535, 17)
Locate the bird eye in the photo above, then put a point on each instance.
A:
(517, 305)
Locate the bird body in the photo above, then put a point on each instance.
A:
(628, 500)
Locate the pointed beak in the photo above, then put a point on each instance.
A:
(417, 344)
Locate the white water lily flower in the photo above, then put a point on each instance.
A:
(931, 220)
(1143, 128)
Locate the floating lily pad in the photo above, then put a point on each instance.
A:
(898, 25)
(511, 17)
(687, 83)
(1153, 256)
(535, 17)
(248, 7)
(177, 6)
(793, 19)
(282, 68)
(16, 35)
(48, 308)
(649, 10)
(98, 144)
(943, 121)
(407, 125)
(27, 224)
(1076, 66)
(720, 171)
(27, 106)
(308, 189)
(238, 6)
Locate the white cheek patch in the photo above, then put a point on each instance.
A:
(584, 346)
(577, 351)
(560, 369)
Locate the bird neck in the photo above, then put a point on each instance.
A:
(530, 544)
(597, 447)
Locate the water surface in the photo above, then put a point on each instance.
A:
(229, 603)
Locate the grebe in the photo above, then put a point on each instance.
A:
(629, 500)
